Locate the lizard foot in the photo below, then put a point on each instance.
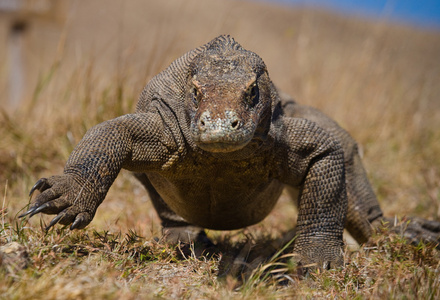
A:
(63, 196)
(415, 230)
(190, 238)
(319, 256)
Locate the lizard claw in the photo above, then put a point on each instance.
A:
(38, 209)
(81, 221)
(55, 221)
(30, 211)
(40, 185)
(34, 210)
(76, 224)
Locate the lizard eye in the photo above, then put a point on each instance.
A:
(252, 94)
(195, 97)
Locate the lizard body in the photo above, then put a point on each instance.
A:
(214, 143)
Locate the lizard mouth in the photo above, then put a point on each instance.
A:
(218, 139)
(222, 147)
(228, 151)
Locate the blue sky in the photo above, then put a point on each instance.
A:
(424, 13)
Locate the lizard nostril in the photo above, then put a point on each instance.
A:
(204, 121)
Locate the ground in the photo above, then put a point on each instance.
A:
(378, 80)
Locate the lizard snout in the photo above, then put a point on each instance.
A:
(224, 133)
(229, 123)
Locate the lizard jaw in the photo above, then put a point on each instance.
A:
(221, 147)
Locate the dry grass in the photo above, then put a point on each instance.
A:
(379, 81)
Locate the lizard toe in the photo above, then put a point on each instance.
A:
(66, 217)
(40, 185)
(415, 230)
(41, 203)
(52, 207)
(81, 220)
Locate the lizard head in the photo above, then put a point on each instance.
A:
(228, 100)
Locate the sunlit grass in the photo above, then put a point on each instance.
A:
(379, 82)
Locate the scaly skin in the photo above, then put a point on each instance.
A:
(214, 144)
(364, 214)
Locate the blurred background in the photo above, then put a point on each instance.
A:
(424, 13)
(148, 35)
(67, 65)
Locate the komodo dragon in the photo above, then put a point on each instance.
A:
(215, 144)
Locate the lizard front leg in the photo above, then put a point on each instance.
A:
(315, 164)
(124, 142)
(364, 214)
